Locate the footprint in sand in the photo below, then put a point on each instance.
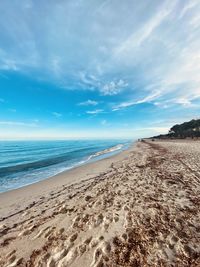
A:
(12, 262)
(60, 256)
(101, 255)
(82, 248)
(73, 237)
(98, 220)
(53, 260)
(88, 240)
(63, 209)
(69, 258)
(44, 232)
(3, 229)
(94, 243)
(116, 217)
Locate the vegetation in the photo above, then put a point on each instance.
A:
(189, 129)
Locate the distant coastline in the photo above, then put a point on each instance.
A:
(189, 130)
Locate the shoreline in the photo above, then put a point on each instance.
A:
(67, 177)
(137, 208)
(96, 156)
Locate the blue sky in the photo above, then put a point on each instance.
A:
(97, 69)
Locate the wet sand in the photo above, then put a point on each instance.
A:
(138, 208)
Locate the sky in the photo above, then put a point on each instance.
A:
(98, 68)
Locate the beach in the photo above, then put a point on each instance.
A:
(138, 208)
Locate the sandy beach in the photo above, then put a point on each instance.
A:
(138, 208)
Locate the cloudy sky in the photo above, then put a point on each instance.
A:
(94, 68)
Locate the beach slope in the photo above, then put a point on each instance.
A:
(138, 208)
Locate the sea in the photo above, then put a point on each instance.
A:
(26, 162)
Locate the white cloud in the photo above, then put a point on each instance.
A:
(187, 7)
(18, 123)
(96, 46)
(56, 66)
(183, 101)
(113, 88)
(158, 130)
(143, 33)
(162, 105)
(88, 103)
(146, 99)
(89, 80)
(96, 111)
(10, 64)
(103, 122)
(57, 114)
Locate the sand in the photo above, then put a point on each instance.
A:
(139, 208)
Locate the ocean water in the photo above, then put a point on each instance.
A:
(26, 162)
